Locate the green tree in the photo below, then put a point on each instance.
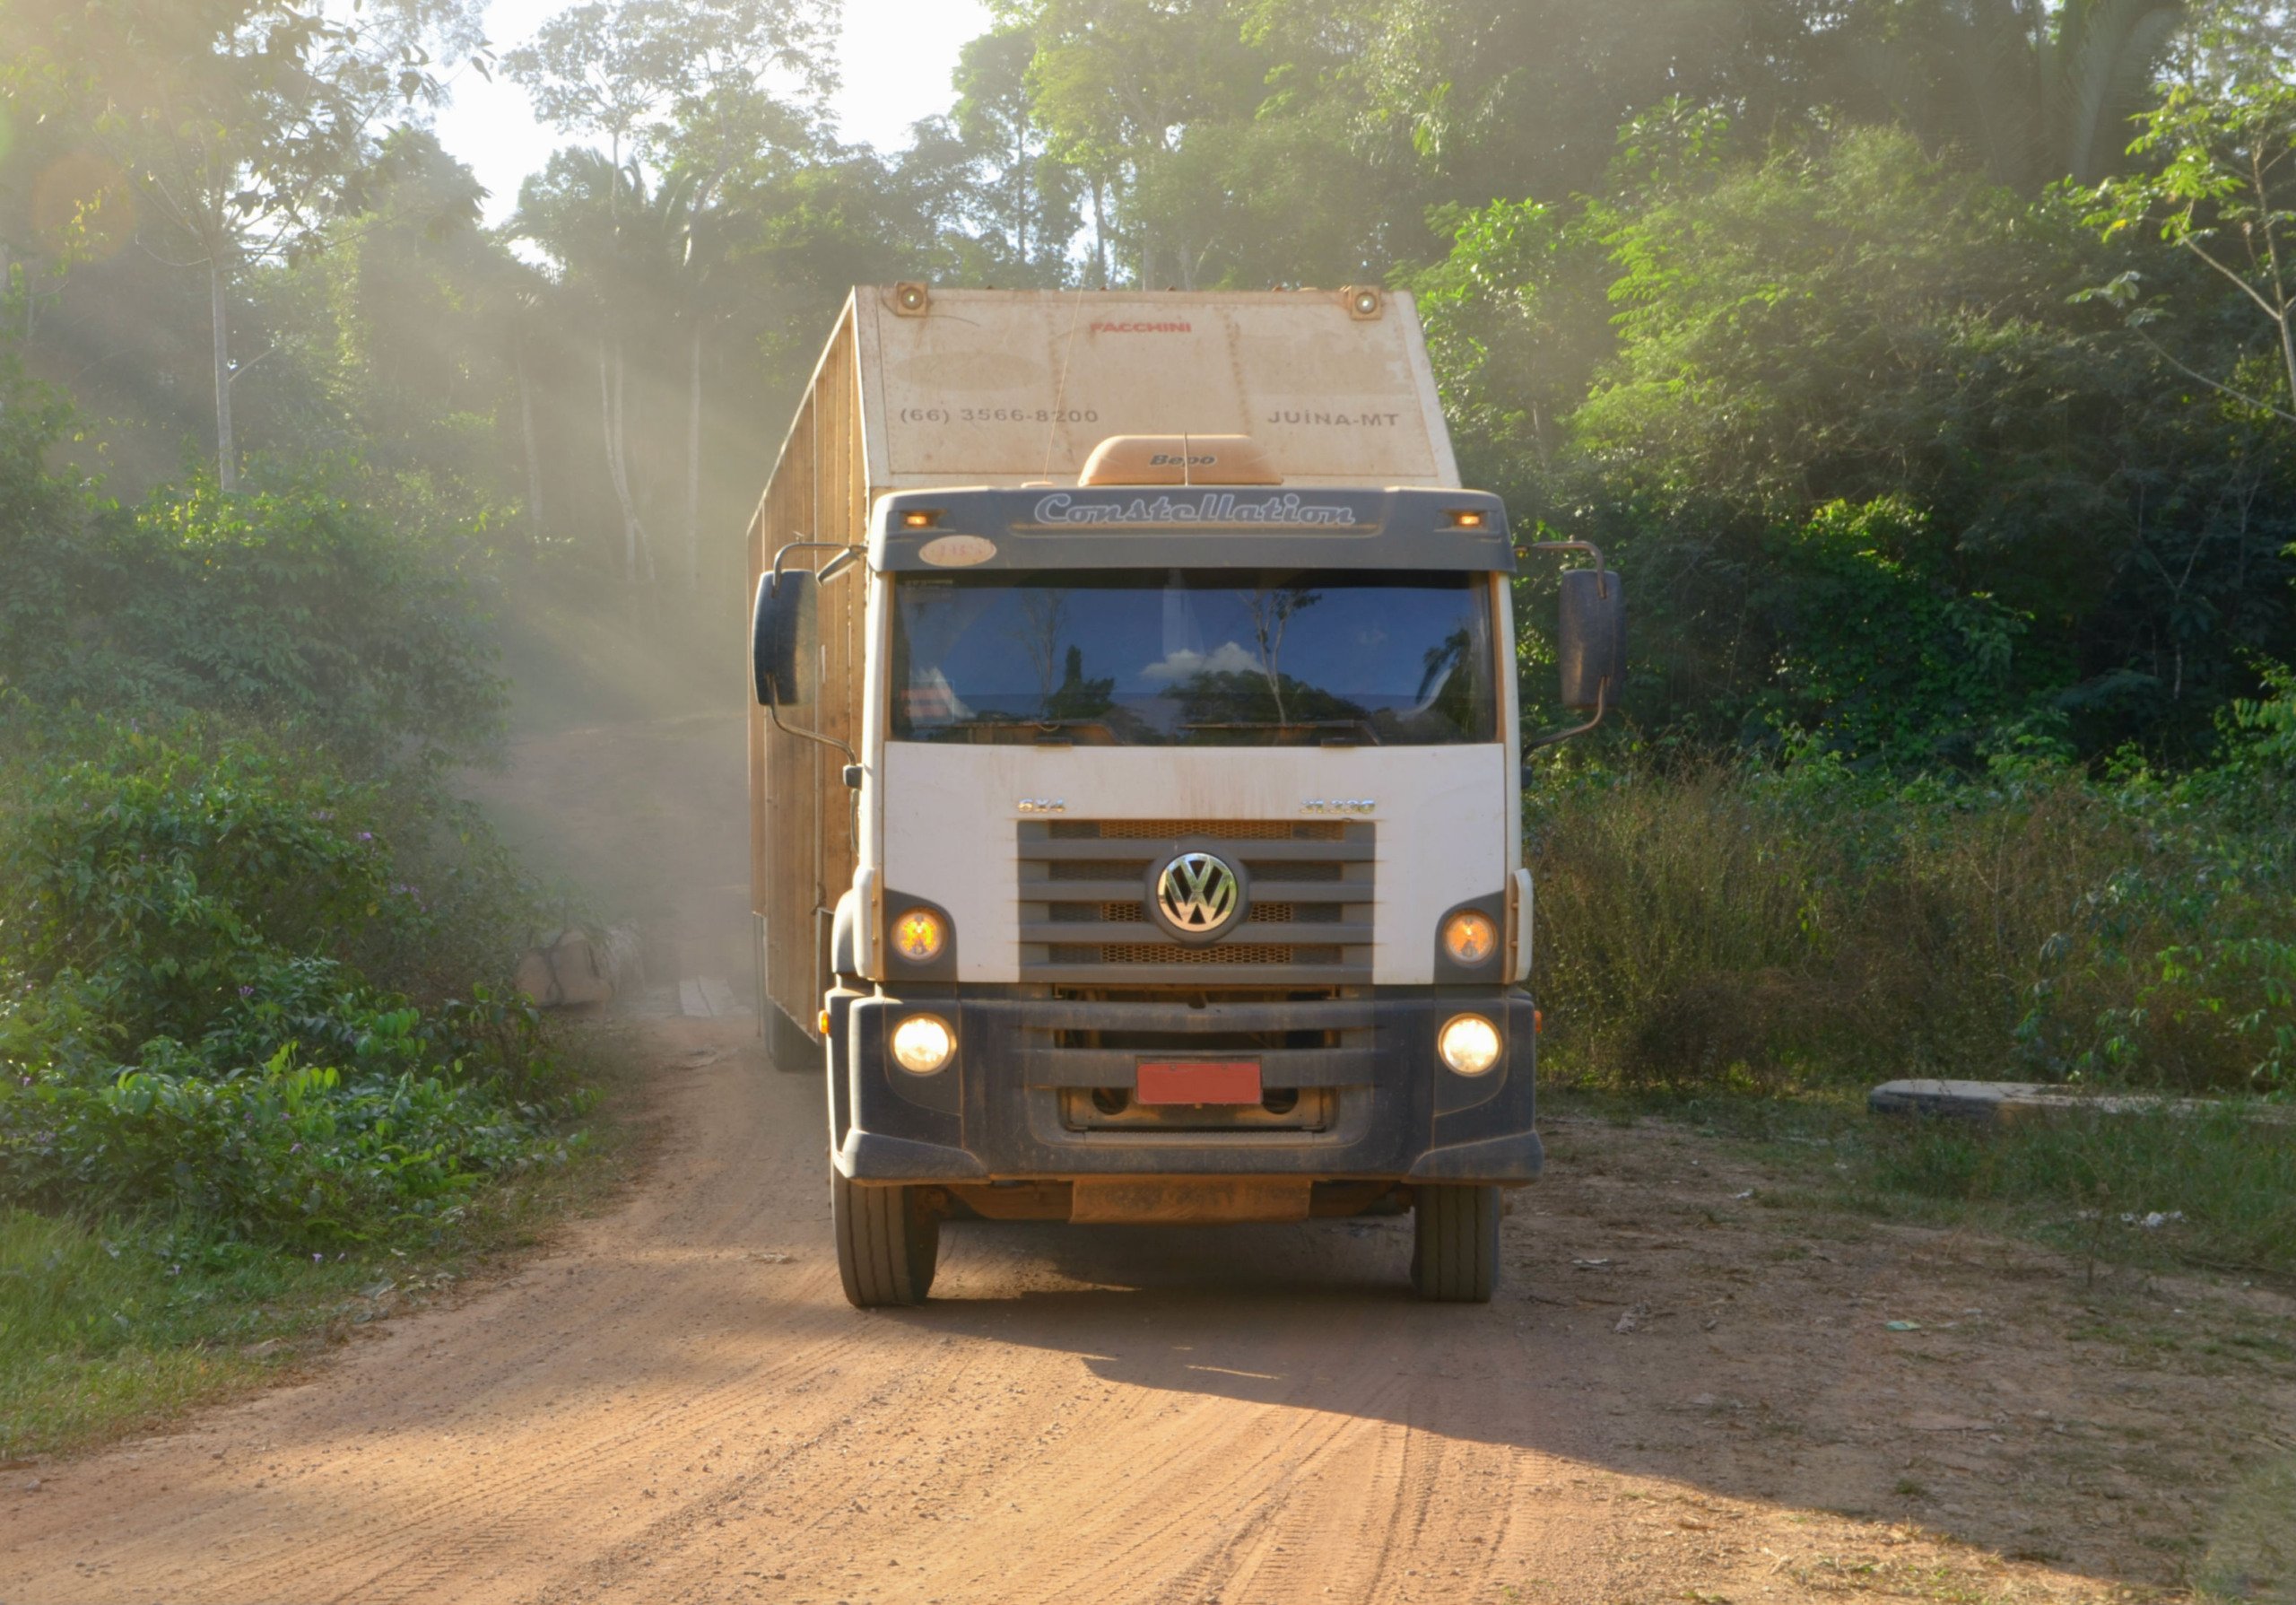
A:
(242, 124)
(631, 71)
(1023, 198)
(2220, 187)
(1123, 86)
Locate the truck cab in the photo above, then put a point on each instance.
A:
(1187, 880)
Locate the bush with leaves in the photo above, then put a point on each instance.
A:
(1812, 924)
(1697, 367)
(224, 990)
(284, 604)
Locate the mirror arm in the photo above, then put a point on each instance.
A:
(1602, 569)
(1602, 698)
(829, 571)
(773, 714)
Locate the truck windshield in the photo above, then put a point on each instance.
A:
(1195, 657)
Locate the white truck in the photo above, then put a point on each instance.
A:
(1134, 774)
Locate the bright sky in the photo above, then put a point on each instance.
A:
(896, 58)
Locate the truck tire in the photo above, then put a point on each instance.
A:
(1455, 1248)
(887, 1245)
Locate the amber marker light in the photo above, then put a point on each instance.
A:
(1468, 517)
(918, 521)
(1470, 936)
(919, 936)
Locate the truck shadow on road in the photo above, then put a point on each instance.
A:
(1897, 1377)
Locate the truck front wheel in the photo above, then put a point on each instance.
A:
(887, 1242)
(1455, 1249)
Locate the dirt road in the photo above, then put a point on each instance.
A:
(1697, 1383)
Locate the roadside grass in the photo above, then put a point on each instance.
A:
(108, 1324)
(117, 1325)
(2213, 1189)
(1758, 931)
(2251, 1553)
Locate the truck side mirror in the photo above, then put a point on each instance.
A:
(781, 630)
(1589, 642)
(1590, 639)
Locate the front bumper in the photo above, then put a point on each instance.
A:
(995, 1112)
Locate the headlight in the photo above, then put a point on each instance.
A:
(1470, 937)
(919, 936)
(1469, 1044)
(922, 1044)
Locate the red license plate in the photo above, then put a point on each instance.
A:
(1199, 1081)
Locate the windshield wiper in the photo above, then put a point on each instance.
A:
(1357, 723)
(1043, 729)
(1055, 731)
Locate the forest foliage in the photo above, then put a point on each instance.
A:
(252, 951)
(1926, 365)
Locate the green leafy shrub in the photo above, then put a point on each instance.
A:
(222, 992)
(1721, 926)
(299, 1154)
(172, 872)
(286, 605)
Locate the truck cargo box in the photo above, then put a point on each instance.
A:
(922, 387)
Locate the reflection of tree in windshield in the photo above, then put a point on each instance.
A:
(1212, 697)
(1244, 697)
(1044, 621)
(1448, 665)
(1075, 697)
(1271, 612)
(1043, 614)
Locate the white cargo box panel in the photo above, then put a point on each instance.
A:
(1003, 388)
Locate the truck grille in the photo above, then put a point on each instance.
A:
(1084, 887)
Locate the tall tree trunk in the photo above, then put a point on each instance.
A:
(534, 457)
(1021, 202)
(1099, 232)
(609, 434)
(227, 460)
(635, 545)
(694, 465)
(606, 424)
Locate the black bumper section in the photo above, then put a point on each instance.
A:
(994, 1112)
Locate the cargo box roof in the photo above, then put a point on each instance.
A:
(1001, 387)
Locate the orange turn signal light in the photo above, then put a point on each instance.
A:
(919, 936)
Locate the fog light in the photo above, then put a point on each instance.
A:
(1469, 1044)
(1470, 937)
(919, 936)
(922, 1044)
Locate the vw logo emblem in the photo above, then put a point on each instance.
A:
(1198, 893)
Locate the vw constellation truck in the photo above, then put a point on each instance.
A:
(1134, 774)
